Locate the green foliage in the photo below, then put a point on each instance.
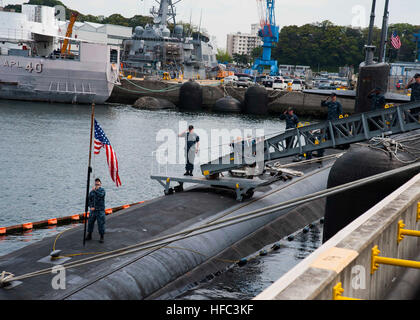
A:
(327, 46)
(223, 56)
(16, 7)
(117, 19)
(242, 59)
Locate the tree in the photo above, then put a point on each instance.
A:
(256, 53)
(223, 56)
(241, 59)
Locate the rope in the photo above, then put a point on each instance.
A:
(296, 164)
(218, 224)
(171, 88)
(393, 147)
(5, 278)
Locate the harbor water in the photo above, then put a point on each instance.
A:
(45, 149)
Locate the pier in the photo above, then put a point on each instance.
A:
(351, 260)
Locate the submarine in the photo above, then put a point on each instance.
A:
(161, 248)
(165, 270)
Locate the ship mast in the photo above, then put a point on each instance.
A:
(165, 13)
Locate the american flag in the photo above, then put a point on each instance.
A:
(101, 141)
(395, 40)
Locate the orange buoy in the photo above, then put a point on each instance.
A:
(108, 211)
(75, 217)
(126, 206)
(2, 230)
(52, 221)
(84, 214)
(27, 226)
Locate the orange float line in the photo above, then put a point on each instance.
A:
(27, 226)
(56, 221)
(52, 221)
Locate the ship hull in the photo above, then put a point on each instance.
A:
(59, 80)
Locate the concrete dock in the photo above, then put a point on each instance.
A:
(349, 265)
(306, 104)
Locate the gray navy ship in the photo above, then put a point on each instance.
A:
(153, 49)
(33, 68)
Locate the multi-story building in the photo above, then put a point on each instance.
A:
(255, 28)
(243, 43)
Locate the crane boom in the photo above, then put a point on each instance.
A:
(66, 45)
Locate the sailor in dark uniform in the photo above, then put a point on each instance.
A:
(291, 122)
(414, 85)
(191, 149)
(335, 109)
(378, 99)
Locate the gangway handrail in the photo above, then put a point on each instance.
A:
(323, 135)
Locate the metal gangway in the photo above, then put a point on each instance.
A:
(302, 140)
(324, 135)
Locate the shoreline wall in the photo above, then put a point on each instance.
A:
(305, 104)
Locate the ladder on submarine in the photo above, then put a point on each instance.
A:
(306, 139)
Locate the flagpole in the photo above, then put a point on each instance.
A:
(89, 172)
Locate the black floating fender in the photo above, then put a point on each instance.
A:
(227, 104)
(191, 96)
(256, 100)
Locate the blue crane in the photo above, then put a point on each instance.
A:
(269, 34)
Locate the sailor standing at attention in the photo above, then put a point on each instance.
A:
(335, 109)
(97, 210)
(378, 99)
(414, 85)
(191, 149)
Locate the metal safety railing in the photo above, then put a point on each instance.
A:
(328, 134)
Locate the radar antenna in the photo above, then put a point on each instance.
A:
(165, 13)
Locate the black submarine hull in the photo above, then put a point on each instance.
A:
(165, 272)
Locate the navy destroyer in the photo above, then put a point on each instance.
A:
(153, 49)
(34, 68)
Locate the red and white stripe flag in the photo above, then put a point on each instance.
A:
(395, 40)
(101, 141)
